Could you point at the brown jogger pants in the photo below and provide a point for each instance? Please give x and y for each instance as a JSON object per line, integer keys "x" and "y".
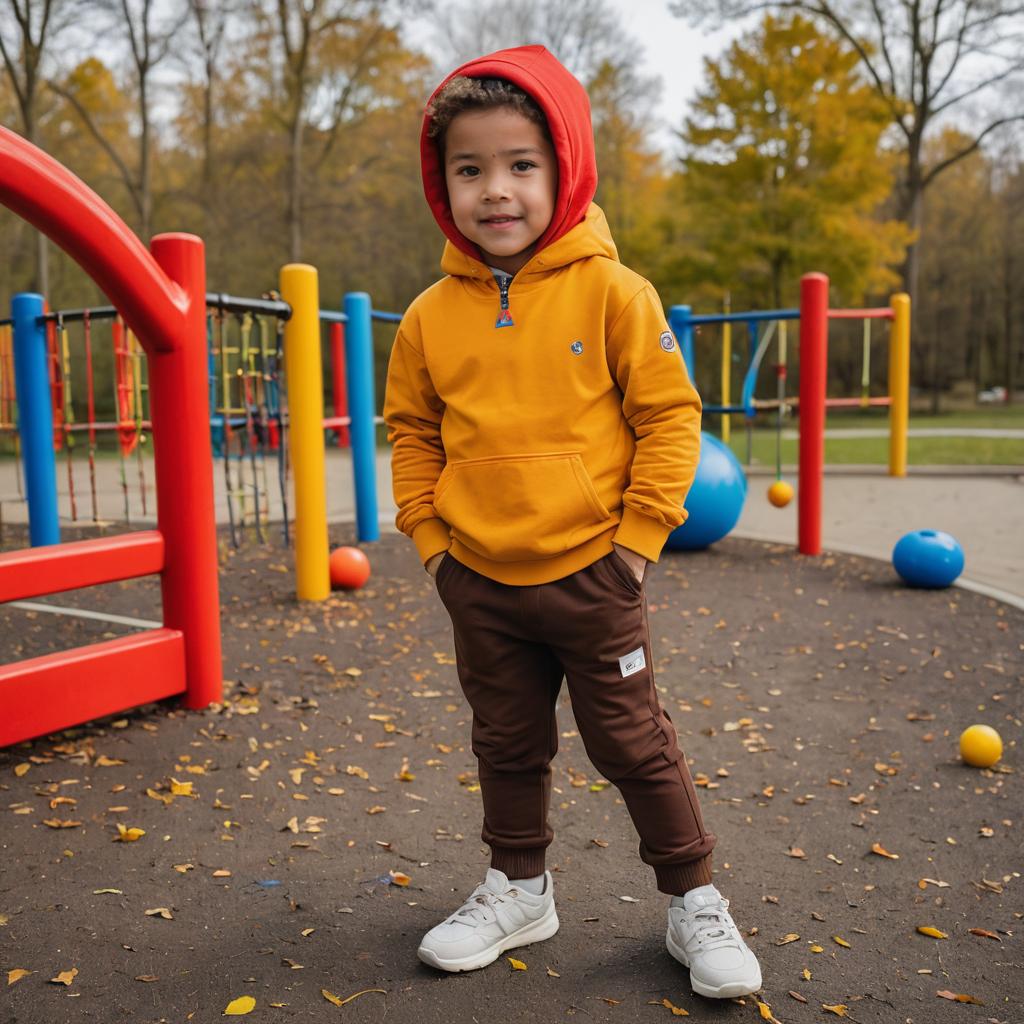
{"x": 513, "y": 646}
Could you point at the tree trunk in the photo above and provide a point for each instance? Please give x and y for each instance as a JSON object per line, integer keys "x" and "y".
{"x": 145, "y": 185}
{"x": 41, "y": 282}
{"x": 295, "y": 189}
{"x": 1008, "y": 320}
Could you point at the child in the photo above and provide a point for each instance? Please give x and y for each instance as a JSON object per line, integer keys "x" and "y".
{"x": 545, "y": 435}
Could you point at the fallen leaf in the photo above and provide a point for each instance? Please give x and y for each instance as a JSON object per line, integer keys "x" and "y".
{"x": 107, "y": 762}
{"x": 796, "y": 995}
{"x": 146, "y": 977}
{"x": 160, "y": 912}
{"x": 984, "y": 934}
{"x": 629, "y": 899}
{"x": 841, "y": 941}
{"x": 677, "y": 1011}
{"x": 517, "y": 965}
{"x": 883, "y": 852}
{"x": 553, "y": 974}
{"x": 65, "y": 977}
{"x": 128, "y": 835}
{"x": 57, "y": 823}
{"x": 959, "y": 998}
{"x": 791, "y": 937}
{"x": 795, "y": 851}
{"x": 839, "y": 1009}
{"x": 17, "y": 974}
{"x": 925, "y": 882}
{"x": 240, "y": 1006}
{"x": 20, "y": 769}
{"x": 100, "y": 892}
{"x": 933, "y": 932}
{"x": 331, "y": 998}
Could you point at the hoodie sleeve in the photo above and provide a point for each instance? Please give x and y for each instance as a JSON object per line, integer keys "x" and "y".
{"x": 412, "y": 412}
{"x": 664, "y": 410}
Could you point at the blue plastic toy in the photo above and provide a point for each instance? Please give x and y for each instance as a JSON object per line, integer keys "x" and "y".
{"x": 715, "y": 500}
{"x": 928, "y": 558}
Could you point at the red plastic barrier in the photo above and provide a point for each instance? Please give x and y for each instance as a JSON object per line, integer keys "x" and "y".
{"x": 813, "y": 378}
{"x": 162, "y": 298}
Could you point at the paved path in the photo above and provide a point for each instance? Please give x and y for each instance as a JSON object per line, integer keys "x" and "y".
{"x": 864, "y": 512}
{"x": 839, "y": 433}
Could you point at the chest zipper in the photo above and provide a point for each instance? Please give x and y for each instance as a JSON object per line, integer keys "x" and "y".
{"x": 505, "y": 314}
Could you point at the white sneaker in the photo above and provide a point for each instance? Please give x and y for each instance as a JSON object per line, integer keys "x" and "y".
{"x": 702, "y": 936}
{"x": 497, "y": 916}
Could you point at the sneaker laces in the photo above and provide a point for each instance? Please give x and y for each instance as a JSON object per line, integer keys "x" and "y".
{"x": 714, "y": 926}
{"x": 479, "y": 908}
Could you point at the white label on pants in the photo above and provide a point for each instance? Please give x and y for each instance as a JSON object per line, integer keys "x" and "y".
{"x": 632, "y": 662}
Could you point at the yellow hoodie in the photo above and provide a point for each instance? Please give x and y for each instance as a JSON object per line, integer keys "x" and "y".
{"x": 527, "y": 451}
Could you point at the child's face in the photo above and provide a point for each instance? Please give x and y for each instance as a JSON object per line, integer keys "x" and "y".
{"x": 502, "y": 178}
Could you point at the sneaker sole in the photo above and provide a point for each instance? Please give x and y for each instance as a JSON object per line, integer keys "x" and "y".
{"x": 535, "y": 931}
{"x": 729, "y": 990}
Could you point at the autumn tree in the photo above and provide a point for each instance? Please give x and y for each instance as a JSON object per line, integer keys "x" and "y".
{"x": 784, "y": 167}
{"x": 28, "y": 30}
{"x": 147, "y": 31}
{"x": 324, "y": 56}
{"x": 927, "y": 61}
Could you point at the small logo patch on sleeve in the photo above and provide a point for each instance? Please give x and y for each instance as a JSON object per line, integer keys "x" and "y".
{"x": 632, "y": 662}
{"x": 668, "y": 343}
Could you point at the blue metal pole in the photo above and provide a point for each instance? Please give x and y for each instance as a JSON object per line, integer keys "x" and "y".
{"x": 679, "y": 321}
{"x": 361, "y": 406}
{"x": 35, "y": 417}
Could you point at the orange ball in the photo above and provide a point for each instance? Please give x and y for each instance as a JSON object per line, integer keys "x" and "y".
{"x": 780, "y": 494}
{"x": 349, "y": 567}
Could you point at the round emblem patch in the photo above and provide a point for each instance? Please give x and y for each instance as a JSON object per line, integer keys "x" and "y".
{"x": 668, "y": 343}
{"x": 577, "y": 347}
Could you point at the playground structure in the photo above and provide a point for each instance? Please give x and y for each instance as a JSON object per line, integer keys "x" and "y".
{"x": 161, "y": 297}
{"x": 813, "y": 315}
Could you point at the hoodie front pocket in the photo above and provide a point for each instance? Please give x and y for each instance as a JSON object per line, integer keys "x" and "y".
{"x": 519, "y": 507}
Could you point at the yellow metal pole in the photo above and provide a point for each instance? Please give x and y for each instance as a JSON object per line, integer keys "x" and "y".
{"x": 726, "y": 371}
{"x": 899, "y": 383}
{"x": 305, "y": 430}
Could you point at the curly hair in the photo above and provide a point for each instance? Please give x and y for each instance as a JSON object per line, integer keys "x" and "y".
{"x": 462, "y": 94}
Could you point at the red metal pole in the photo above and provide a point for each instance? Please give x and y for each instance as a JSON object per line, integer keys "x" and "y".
{"x": 338, "y": 381}
{"x": 813, "y": 379}
{"x": 180, "y": 410}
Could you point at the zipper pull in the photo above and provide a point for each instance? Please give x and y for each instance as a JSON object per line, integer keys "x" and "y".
{"x": 505, "y": 315}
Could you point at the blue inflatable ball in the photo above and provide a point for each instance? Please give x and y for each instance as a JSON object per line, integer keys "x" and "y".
{"x": 928, "y": 558}
{"x": 715, "y": 500}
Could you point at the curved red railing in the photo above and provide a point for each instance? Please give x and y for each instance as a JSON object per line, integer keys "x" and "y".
{"x": 162, "y": 298}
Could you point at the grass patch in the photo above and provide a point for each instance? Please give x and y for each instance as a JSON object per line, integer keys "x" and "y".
{"x": 921, "y": 451}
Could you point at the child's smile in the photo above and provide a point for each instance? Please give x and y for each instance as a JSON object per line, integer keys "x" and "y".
{"x": 502, "y": 178}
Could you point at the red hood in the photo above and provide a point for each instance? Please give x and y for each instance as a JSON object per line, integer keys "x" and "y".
{"x": 567, "y": 109}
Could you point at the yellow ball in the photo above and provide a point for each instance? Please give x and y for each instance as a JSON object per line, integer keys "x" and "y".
{"x": 981, "y": 746}
{"x": 780, "y": 494}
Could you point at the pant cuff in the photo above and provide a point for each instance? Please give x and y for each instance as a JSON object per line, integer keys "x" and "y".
{"x": 677, "y": 879}
{"x": 518, "y": 863}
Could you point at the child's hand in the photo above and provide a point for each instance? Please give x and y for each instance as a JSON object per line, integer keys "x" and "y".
{"x": 635, "y": 561}
{"x": 434, "y": 562}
